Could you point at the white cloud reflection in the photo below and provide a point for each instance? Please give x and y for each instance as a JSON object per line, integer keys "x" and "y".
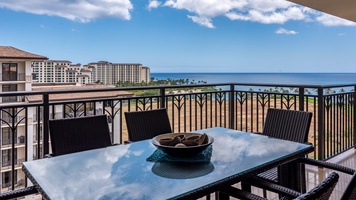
{"x": 245, "y": 145}
{"x": 79, "y": 165}
{"x": 118, "y": 172}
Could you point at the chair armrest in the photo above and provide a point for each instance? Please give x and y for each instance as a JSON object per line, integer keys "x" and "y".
{"x": 240, "y": 194}
{"x": 328, "y": 165}
{"x": 273, "y": 187}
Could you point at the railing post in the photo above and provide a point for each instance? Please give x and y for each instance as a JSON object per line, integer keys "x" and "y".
{"x": 232, "y": 107}
{"x": 13, "y": 130}
{"x": 354, "y": 116}
{"x": 162, "y": 92}
{"x": 301, "y": 98}
{"x": 321, "y": 127}
{"x": 45, "y": 124}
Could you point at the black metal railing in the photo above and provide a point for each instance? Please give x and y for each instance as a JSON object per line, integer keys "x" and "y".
{"x": 240, "y": 106}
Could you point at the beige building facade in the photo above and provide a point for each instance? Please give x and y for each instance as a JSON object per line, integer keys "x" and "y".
{"x": 16, "y": 75}
{"x": 63, "y": 71}
{"x": 60, "y": 71}
{"x": 112, "y": 73}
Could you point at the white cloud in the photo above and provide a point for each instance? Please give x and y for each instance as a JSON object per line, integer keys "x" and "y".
{"x": 76, "y": 10}
{"x": 202, "y": 11}
{"x": 280, "y": 17}
{"x": 203, "y": 21}
{"x": 286, "y": 32}
{"x": 329, "y": 20}
{"x": 268, "y": 5}
{"x": 207, "y": 8}
{"x": 268, "y": 18}
{"x": 260, "y": 11}
{"x": 153, "y": 4}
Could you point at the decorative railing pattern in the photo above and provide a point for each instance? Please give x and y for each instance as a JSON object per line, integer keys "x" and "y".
{"x": 238, "y": 106}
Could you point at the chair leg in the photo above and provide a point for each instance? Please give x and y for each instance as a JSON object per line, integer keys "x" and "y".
{"x": 303, "y": 186}
{"x": 246, "y": 187}
{"x": 221, "y": 196}
{"x": 264, "y": 193}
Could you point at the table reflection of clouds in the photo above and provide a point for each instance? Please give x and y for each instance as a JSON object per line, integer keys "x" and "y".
{"x": 76, "y": 166}
{"x": 122, "y": 172}
{"x": 261, "y": 147}
{"x": 242, "y": 145}
{"x": 236, "y": 148}
{"x": 126, "y": 183}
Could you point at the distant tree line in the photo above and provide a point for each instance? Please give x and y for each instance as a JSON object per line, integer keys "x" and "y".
{"x": 160, "y": 82}
{"x": 165, "y": 82}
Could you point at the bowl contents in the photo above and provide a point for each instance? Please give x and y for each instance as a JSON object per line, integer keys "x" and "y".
{"x": 182, "y": 144}
{"x": 182, "y": 141}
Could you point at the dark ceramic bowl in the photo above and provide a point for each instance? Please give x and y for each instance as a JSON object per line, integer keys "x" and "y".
{"x": 181, "y": 151}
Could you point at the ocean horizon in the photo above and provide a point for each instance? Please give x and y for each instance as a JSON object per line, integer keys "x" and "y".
{"x": 264, "y": 78}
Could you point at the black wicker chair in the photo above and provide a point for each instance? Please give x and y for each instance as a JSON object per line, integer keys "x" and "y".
{"x": 142, "y": 125}
{"x": 322, "y": 191}
{"x": 285, "y": 124}
{"x": 290, "y": 125}
{"x": 69, "y": 135}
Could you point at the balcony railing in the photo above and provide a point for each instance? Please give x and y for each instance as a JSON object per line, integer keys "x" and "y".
{"x": 238, "y": 106}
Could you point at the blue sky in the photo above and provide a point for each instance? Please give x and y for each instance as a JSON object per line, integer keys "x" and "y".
{"x": 182, "y": 35}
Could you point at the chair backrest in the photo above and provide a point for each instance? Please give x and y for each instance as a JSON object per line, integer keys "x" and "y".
{"x": 350, "y": 191}
{"x": 69, "y": 135}
{"x": 323, "y": 190}
{"x": 147, "y": 124}
{"x": 285, "y": 124}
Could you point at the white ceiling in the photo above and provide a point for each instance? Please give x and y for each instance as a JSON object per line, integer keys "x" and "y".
{"x": 342, "y": 8}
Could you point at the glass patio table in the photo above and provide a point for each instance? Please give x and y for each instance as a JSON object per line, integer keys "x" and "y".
{"x": 122, "y": 171}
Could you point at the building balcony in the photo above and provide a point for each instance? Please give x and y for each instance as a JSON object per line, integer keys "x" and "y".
{"x": 194, "y": 107}
{"x": 7, "y": 165}
{"x": 12, "y": 77}
{"x": 7, "y": 143}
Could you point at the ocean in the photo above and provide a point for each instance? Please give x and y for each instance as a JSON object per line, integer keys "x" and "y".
{"x": 264, "y": 78}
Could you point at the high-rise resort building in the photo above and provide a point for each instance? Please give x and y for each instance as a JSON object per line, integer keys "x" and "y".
{"x": 60, "y": 71}
{"x": 112, "y": 73}
{"x": 63, "y": 71}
